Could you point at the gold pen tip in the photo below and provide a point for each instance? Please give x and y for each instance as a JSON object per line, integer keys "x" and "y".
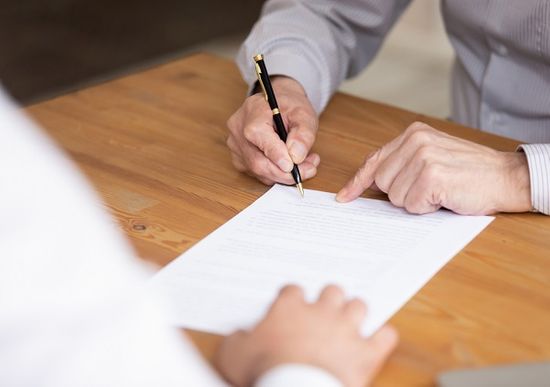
{"x": 300, "y": 188}
{"x": 258, "y": 57}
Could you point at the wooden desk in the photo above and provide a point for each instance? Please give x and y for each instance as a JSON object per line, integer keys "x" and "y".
{"x": 153, "y": 144}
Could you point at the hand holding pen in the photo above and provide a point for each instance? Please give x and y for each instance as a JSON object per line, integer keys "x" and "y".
{"x": 255, "y": 145}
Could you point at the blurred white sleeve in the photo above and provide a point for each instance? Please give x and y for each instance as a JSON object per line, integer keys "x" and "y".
{"x": 297, "y": 375}
{"x": 73, "y": 306}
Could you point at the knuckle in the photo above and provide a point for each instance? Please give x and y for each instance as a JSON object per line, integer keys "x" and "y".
{"x": 416, "y": 126}
{"x": 361, "y": 175}
{"x": 249, "y": 132}
{"x": 290, "y": 292}
{"x": 420, "y": 137}
{"x": 363, "y": 171}
{"x": 299, "y": 111}
{"x": 425, "y": 153}
{"x": 372, "y": 157}
{"x": 303, "y": 111}
{"x": 432, "y": 172}
{"x": 256, "y": 166}
{"x": 272, "y": 151}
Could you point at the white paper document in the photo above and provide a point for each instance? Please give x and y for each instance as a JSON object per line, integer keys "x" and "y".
{"x": 373, "y": 250}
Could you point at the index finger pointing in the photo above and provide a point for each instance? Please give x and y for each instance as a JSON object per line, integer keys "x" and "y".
{"x": 364, "y": 177}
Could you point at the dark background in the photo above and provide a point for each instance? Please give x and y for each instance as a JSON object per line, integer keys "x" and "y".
{"x": 48, "y": 47}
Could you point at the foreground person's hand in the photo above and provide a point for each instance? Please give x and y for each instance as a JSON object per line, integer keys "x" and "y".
{"x": 324, "y": 334}
{"x": 255, "y": 146}
{"x": 424, "y": 169}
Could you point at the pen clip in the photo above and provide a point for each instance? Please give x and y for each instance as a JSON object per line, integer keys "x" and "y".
{"x": 259, "y": 74}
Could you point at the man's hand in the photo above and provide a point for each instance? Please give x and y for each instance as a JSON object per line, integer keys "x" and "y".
{"x": 254, "y": 143}
{"x": 424, "y": 169}
{"x": 324, "y": 334}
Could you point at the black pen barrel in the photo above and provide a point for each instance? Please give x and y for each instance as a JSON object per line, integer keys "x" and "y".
{"x": 267, "y": 85}
{"x": 280, "y": 126}
{"x": 296, "y": 174}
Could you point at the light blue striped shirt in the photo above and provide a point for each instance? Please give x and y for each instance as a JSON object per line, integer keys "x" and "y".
{"x": 501, "y": 75}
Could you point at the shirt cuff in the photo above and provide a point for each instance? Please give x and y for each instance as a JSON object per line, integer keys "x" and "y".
{"x": 538, "y": 158}
{"x": 297, "y": 375}
{"x": 291, "y": 65}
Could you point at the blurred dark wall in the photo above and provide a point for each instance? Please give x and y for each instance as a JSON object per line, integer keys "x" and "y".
{"x": 50, "y": 46}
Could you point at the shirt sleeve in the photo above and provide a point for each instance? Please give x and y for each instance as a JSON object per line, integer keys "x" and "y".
{"x": 297, "y": 375}
{"x": 74, "y": 304}
{"x": 538, "y": 158}
{"x": 319, "y": 43}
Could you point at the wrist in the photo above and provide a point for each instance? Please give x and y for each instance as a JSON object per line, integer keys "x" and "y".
{"x": 287, "y": 84}
{"x": 516, "y": 194}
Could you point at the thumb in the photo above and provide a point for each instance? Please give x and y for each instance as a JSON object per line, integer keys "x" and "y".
{"x": 378, "y": 348}
{"x": 301, "y": 136}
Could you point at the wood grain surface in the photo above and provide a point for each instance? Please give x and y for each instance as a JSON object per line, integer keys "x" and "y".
{"x": 153, "y": 144}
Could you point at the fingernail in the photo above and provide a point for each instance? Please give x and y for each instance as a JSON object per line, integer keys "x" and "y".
{"x": 340, "y": 196}
{"x": 297, "y": 152}
{"x": 285, "y": 164}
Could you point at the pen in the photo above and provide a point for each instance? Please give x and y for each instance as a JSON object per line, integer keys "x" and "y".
{"x": 269, "y": 94}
